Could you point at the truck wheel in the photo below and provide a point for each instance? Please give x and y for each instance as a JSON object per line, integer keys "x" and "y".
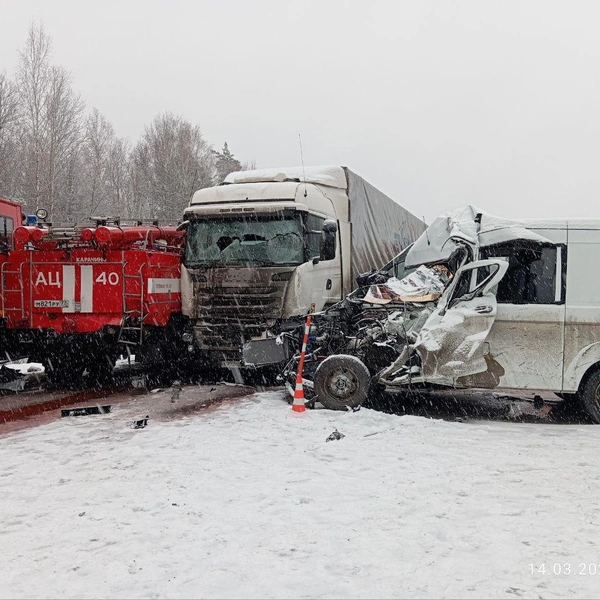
{"x": 342, "y": 381}
{"x": 589, "y": 396}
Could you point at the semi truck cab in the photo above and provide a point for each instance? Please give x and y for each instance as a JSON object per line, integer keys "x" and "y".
{"x": 258, "y": 256}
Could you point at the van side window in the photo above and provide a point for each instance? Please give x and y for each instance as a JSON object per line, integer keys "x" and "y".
{"x": 531, "y": 277}
{"x": 314, "y": 226}
{"x": 6, "y": 231}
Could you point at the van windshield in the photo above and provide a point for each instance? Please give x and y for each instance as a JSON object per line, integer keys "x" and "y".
{"x": 245, "y": 240}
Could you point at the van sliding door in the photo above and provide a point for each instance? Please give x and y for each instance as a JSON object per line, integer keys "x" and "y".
{"x": 527, "y": 337}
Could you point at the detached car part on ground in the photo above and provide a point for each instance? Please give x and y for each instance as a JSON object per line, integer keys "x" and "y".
{"x": 19, "y": 376}
{"x": 476, "y": 302}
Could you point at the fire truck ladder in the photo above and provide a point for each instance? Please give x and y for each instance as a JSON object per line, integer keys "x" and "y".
{"x": 19, "y": 290}
{"x": 132, "y": 324}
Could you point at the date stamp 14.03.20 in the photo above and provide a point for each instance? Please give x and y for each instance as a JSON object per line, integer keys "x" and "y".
{"x": 579, "y": 569}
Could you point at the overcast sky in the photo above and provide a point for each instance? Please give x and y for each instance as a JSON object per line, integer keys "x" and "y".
{"x": 438, "y": 104}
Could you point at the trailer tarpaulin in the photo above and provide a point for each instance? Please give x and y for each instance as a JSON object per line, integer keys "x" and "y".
{"x": 381, "y": 228}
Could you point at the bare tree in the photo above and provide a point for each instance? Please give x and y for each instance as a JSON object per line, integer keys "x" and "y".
{"x": 62, "y": 140}
{"x": 249, "y": 165}
{"x": 52, "y": 155}
{"x": 120, "y": 199}
{"x": 33, "y": 81}
{"x": 51, "y": 125}
{"x": 97, "y": 145}
{"x": 171, "y": 161}
{"x": 9, "y": 115}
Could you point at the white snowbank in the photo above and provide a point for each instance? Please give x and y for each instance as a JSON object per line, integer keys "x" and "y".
{"x": 248, "y": 500}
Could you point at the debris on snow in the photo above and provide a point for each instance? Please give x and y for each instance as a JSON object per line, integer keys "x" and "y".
{"x": 17, "y": 376}
{"x": 86, "y": 410}
{"x": 176, "y": 390}
{"x": 141, "y": 423}
{"x": 336, "y": 435}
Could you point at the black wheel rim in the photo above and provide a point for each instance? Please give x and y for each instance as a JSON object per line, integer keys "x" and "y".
{"x": 342, "y": 383}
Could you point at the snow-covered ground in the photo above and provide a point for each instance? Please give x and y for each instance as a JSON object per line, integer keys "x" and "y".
{"x": 247, "y": 499}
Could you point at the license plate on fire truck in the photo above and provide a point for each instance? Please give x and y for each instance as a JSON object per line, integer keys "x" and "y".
{"x": 51, "y": 304}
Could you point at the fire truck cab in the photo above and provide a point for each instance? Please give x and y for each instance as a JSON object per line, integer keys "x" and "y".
{"x": 11, "y": 217}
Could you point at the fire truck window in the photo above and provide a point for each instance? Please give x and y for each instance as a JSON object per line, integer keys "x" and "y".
{"x": 531, "y": 274}
{"x": 6, "y": 231}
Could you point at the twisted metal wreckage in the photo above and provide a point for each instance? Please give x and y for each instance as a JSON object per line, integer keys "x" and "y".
{"x": 424, "y": 319}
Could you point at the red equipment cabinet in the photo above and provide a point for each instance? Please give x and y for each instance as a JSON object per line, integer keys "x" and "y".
{"x": 75, "y": 298}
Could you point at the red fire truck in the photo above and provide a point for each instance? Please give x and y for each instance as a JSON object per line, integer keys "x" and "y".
{"x": 73, "y": 298}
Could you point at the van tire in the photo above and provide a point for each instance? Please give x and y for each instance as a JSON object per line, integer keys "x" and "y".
{"x": 589, "y": 396}
{"x": 342, "y": 382}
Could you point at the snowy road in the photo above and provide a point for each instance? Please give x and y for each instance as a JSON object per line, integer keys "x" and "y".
{"x": 246, "y": 499}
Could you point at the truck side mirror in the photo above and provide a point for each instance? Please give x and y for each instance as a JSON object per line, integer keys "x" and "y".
{"x": 328, "y": 240}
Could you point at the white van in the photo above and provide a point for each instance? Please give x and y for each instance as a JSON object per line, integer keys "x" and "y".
{"x": 523, "y": 311}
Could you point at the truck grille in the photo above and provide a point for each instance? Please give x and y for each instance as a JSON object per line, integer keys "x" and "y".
{"x": 229, "y": 316}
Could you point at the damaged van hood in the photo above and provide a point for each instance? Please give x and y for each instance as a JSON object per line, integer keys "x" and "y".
{"x": 461, "y": 227}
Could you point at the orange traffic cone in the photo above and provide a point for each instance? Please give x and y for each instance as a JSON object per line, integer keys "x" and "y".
{"x": 298, "y": 403}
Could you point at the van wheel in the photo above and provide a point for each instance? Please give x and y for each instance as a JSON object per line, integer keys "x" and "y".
{"x": 590, "y": 396}
{"x": 342, "y": 382}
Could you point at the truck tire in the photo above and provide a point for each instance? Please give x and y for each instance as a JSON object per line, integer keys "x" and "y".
{"x": 341, "y": 382}
{"x": 589, "y": 396}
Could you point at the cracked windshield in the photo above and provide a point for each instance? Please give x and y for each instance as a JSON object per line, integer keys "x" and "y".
{"x": 249, "y": 240}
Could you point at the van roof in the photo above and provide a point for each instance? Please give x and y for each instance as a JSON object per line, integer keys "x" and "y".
{"x": 580, "y": 223}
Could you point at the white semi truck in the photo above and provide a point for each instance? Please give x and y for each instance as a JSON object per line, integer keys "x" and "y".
{"x": 266, "y": 247}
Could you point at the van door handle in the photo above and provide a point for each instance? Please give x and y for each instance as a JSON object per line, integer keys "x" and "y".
{"x": 328, "y": 284}
{"x": 482, "y": 310}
